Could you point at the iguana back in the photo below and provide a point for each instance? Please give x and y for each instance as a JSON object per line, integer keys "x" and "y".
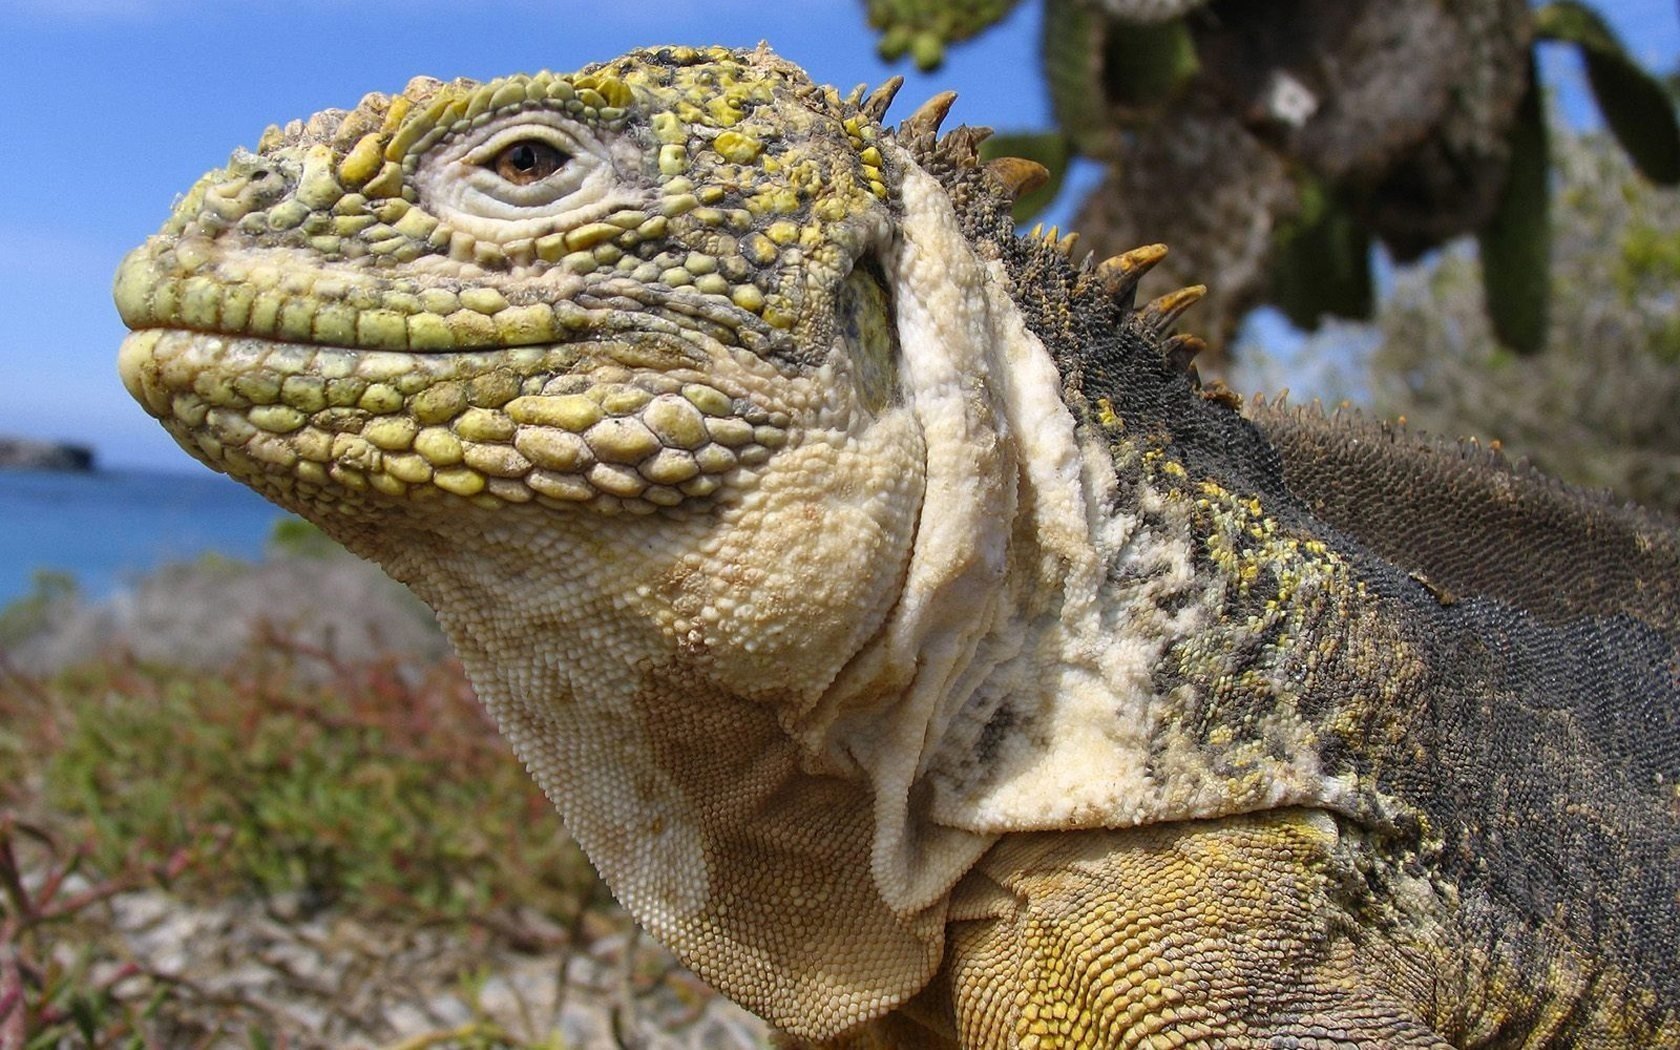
{"x": 1471, "y": 522}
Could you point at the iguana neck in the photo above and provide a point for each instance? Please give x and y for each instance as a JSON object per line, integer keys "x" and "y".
{"x": 1069, "y": 562}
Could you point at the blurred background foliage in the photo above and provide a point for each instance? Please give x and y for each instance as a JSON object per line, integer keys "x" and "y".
{"x": 1271, "y": 143}
{"x": 1290, "y": 151}
{"x": 1600, "y": 405}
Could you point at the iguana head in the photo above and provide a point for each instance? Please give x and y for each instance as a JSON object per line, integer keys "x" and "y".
{"x": 558, "y": 290}
{"x": 539, "y": 303}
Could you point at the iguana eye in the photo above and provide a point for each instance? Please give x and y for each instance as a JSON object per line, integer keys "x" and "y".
{"x": 527, "y": 161}
{"x": 526, "y": 174}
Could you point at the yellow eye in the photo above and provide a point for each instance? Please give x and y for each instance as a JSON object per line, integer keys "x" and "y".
{"x": 527, "y": 161}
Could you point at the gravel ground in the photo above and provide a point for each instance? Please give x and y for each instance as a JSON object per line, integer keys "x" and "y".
{"x": 332, "y": 981}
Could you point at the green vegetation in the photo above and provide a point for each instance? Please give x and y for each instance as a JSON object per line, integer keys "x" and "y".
{"x": 371, "y": 791}
{"x": 1271, "y": 145}
{"x": 26, "y": 615}
{"x": 922, "y": 30}
{"x": 297, "y": 786}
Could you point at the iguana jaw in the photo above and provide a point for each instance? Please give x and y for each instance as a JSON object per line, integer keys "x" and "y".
{"x": 542, "y": 386}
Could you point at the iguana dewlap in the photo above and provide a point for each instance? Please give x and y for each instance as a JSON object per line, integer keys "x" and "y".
{"x": 912, "y": 645}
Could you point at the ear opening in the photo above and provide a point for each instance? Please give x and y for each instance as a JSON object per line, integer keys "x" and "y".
{"x": 866, "y": 324}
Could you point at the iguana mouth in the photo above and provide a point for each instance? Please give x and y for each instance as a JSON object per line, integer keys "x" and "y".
{"x": 557, "y": 425}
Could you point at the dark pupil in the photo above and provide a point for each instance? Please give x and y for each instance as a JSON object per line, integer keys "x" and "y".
{"x": 526, "y": 162}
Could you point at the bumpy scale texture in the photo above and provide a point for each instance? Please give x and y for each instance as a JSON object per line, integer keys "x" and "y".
{"x": 913, "y": 645}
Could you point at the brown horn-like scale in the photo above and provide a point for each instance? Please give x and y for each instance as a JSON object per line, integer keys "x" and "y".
{"x": 961, "y": 145}
{"x": 1019, "y": 175}
{"x": 1118, "y": 275}
{"x": 1159, "y": 314}
{"x": 876, "y": 105}
{"x": 1181, "y": 350}
{"x": 928, "y": 116}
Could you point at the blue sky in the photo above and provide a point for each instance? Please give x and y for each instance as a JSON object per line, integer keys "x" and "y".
{"x": 118, "y": 105}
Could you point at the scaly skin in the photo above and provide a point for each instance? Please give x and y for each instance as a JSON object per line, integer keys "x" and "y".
{"x": 911, "y": 644}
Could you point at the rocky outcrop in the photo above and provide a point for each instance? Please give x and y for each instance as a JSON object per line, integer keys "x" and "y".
{"x": 209, "y": 613}
{"x": 24, "y": 454}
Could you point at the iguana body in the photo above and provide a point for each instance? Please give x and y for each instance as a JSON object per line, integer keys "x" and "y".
{"x": 912, "y": 646}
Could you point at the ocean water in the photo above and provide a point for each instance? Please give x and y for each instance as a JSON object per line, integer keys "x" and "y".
{"x": 106, "y": 527}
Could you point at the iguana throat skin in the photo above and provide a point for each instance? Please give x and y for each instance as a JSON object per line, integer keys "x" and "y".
{"x": 913, "y": 647}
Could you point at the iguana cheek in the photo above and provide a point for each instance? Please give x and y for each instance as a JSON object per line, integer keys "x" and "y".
{"x": 803, "y": 570}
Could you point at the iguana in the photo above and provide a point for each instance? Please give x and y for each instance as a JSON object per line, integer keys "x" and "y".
{"x": 910, "y": 641}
